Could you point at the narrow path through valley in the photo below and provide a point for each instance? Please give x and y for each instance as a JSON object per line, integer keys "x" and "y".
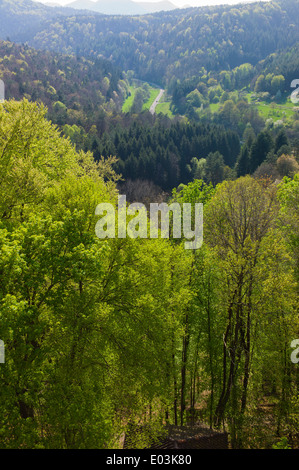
{"x": 153, "y": 106}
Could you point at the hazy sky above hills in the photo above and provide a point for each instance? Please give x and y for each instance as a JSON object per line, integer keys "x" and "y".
{"x": 179, "y": 3}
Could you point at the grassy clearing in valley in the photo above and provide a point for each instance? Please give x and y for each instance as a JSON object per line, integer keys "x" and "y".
{"x": 164, "y": 106}
{"x": 276, "y": 111}
{"x": 129, "y": 101}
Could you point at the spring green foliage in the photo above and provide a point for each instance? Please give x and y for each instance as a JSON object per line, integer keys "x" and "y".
{"x": 102, "y": 334}
{"x": 158, "y": 47}
{"x": 76, "y": 311}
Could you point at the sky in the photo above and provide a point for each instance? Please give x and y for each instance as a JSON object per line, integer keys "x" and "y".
{"x": 178, "y": 3}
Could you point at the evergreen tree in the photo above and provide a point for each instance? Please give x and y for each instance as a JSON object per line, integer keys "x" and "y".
{"x": 259, "y": 150}
{"x": 281, "y": 140}
{"x": 243, "y": 162}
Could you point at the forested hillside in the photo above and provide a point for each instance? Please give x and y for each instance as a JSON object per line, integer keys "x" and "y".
{"x": 84, "y": 97}
{"x": 284, "y": 63}
{"x": 164, "y": 45}
{"x": 161, "y": 45}
{"x": 166, "y": 153}
{"x": 76, "y": 91}
{"x": 143, "y": 328}
{"x": 20, "y": 19}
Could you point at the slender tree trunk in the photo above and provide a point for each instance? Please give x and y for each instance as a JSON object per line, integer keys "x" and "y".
{"x": 193, "y": 382}
{"x": 184, "y": 368}
{"x": 211, "y": 363}
{"x": 234, "y": 359}
{"x": 220, "y": 406}
{"x": 175, "y": 391}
